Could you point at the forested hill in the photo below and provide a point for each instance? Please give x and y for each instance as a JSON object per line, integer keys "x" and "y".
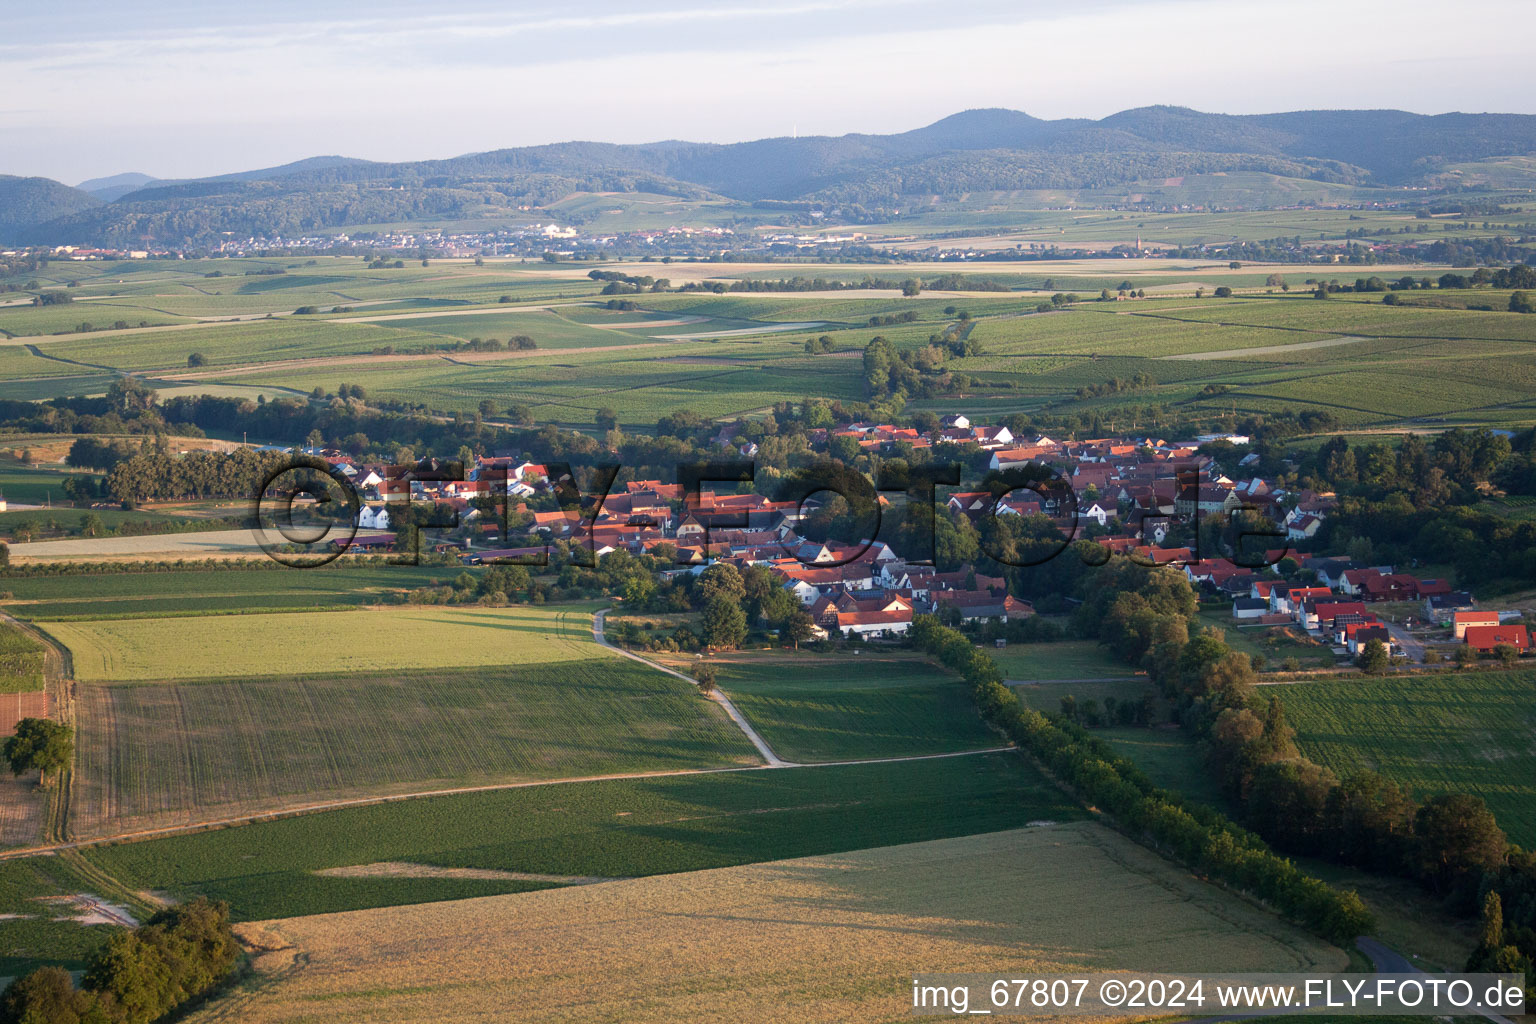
{"x": 973, "y": 150}
{"x": 27, "y": 202}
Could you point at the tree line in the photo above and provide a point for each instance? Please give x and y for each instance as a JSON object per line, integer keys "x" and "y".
{"x": 141, "y": 974}
{"x": 1197, "y": 837}
{"x": 1450, "y": 843}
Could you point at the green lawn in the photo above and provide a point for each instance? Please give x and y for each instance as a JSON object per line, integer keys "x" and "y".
{"x": 611, "y": 828}
{"x": 1458, "y": 732}
{"x": 811, "y": 708}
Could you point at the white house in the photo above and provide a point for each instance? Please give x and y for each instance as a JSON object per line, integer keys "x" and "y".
{"x": 373, "y": 518}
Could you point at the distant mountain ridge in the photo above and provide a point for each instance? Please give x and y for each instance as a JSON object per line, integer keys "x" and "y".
{"x": 972, "y": 150}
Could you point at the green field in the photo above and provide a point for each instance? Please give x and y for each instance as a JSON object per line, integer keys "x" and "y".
{"x": 156, "y": 755}
{"x": 34, "y": 933}
{"x": 286, "y": 643}
{"x": 811, "y": 708}
{"x": 203, "y": 591}
{"x": 616, "y": 828}
{"x": 1460, "y": 732}
{"x": 21, "y": 661}
{"x": 1064, "y": 659}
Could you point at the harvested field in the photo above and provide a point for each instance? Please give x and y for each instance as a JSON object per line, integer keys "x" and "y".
{"x": 830, "y": 938}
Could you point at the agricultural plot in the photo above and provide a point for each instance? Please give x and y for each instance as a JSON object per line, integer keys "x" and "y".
{"x": 1458, "y": 732}
{"x": 21, "y": 661}
{"x": 256, "y": 341}
{"x": 160, "y": 755}
{"x": 35, "y": 932}
{"x": 1064, "y": 659}
{"x": 829, "y": 938}
{"x": 206, "y": 592}
{"x": 294, "y": 643}
{"x": 813, "y": 708}
{"x": 612, "y": 828}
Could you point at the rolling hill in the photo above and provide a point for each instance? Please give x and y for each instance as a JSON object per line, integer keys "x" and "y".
{"x": 968, "y": 151}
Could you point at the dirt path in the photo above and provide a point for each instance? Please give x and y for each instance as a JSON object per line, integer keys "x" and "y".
{"x": 774, "y": 761}
{"x": 1270, "y": 350}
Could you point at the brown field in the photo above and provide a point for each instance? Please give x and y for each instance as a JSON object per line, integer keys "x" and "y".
{"x": 818, "y": 939}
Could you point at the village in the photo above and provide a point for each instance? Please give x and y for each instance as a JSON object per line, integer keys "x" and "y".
{"x": 1140, "y": 498}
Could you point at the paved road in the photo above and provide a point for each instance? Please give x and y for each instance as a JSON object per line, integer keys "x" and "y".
{"x": 1411, "y": 647}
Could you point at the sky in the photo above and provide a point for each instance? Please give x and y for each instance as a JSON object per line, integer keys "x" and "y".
{"x": 181, "y": 89}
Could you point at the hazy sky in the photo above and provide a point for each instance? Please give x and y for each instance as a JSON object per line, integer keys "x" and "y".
{"x": 179, "y": 89}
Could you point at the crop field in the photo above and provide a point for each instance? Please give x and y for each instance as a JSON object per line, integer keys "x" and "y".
{"x": 825, "y": 938}
{"x": 34, "y": 933}
{"x": 21, "y": 661}
{"x": 157, "y": 755}
{"x": 1459, "y": 732}
{"x": 815, "y": 708}
{"x": 290, "y": 643}
{"x": 611, "y": 828}
{"x": 257, "y": 341}
{"x": 205, "y": 592}
{"x": 1369, "y": 364}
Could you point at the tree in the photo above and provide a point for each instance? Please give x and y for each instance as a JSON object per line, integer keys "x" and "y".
{"x": 706, "y": 676}
{"x": 197, "y": 359}
{"x": 1223, "y": 292}
{"x": 721, "y": 580}
{"x": 5, "y": 555}
{"x": 1520, "y": 302}
{"x": 1508, "y": 654}
{"x": 39, "y": 743}
{"x": 911, "y": 286}
{"x": 606, "y": 419}
{"x": 798, "y": 627}
{"x": 91, "y": 525}
{"x": 48, "y": 996}
{"x": 1374, "y": 658}
{"x": 723, "y": 624}
{"x": 1458, "y": 839}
